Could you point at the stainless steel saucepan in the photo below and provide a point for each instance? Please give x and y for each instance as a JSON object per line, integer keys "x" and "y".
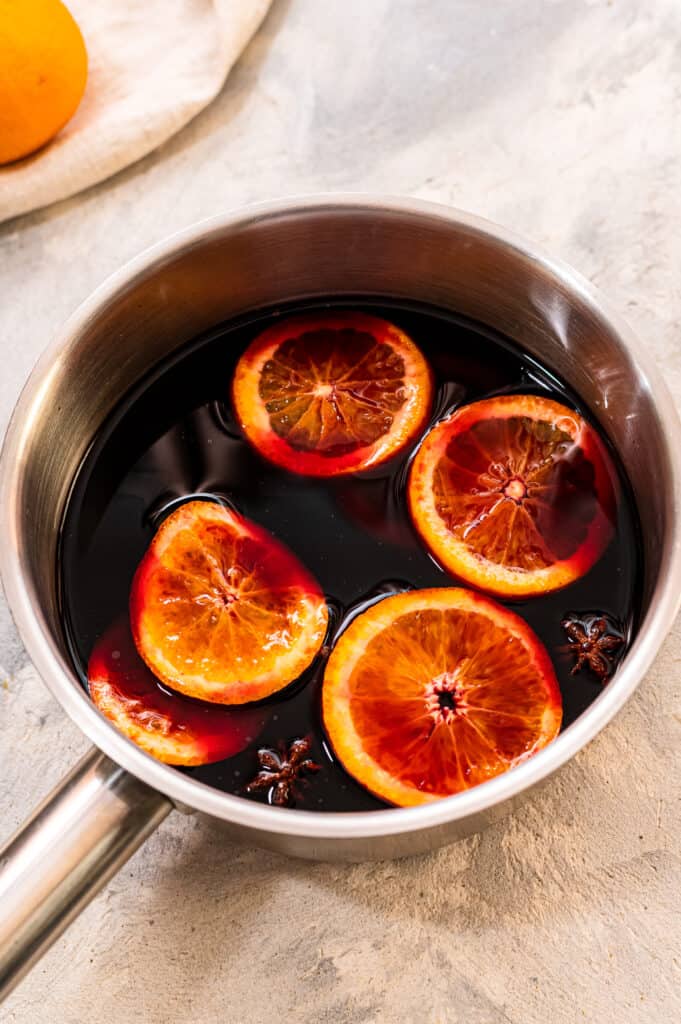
{"x": 117, "y": 795}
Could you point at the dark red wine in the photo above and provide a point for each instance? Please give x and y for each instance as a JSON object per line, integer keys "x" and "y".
{"x": 174, "y": 439}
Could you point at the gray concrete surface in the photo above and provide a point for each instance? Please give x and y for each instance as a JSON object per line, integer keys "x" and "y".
{"x": 561, "y": 119}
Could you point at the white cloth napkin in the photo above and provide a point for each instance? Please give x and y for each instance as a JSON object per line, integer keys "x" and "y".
{"x": 153, "y": 65}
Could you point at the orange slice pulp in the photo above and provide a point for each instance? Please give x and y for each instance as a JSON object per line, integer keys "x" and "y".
{"x": 222, "y": 611}
{"x": 431, "y": 692}
{"x": 171, "y": 728}
{"x": 515, "y": 495}
{"x": 326, "y": 394}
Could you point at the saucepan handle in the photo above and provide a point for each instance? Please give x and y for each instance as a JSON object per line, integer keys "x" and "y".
{"x": 84, "y": 831}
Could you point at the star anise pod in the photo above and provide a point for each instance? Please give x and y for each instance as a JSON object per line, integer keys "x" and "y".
{"x": 281, "y": 771}
{"x": 594, "y": 640}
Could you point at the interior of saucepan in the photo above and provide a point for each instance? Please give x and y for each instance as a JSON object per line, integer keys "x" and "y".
{"x": 160, "y": 303}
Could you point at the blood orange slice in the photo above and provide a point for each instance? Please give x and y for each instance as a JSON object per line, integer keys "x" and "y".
{"x": 169, "y": 727}
{"x": 431, "y": 692}
{"x": 515, "y": 495}
{"x": 326, "y": 394}
{"x": 222, "y": 611}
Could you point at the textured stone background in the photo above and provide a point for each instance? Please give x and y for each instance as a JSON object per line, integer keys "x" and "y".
{"x": 561, "y": 119}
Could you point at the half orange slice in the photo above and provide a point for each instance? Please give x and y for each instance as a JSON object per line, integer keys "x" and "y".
{"x": 222, "y": 611}
{"x": 433, "y": 691}
{"x": 515, "y": 495}
{"x": 332, "y": 393}
{"x": 171, "y": 728}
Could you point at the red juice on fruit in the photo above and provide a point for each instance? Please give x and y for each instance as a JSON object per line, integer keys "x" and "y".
{"x": 175, "y": 439}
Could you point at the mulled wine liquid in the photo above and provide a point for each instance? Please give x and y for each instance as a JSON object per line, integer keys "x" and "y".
{"x": 174, "y": 439}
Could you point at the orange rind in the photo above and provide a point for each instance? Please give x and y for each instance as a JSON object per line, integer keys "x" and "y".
{"x": 332, "y": 393}
{"x": 431, "y": 692}
{"x": 220, "y": 610}
{"x": 515, "y": 495}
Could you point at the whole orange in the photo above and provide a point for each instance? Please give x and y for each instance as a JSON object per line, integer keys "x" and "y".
{"x": 43, "y": 71}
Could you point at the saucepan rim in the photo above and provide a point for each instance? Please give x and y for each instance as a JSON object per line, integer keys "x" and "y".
{"x": 187, "y": 792}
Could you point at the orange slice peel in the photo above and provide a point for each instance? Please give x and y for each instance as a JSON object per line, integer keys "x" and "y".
{"x": 431, "y": 692}
{"x": 328, "y": 394}
{"x": 221, "y": 610}
{"x": 171, "y": 728}
{"x": 515, "y": 495}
